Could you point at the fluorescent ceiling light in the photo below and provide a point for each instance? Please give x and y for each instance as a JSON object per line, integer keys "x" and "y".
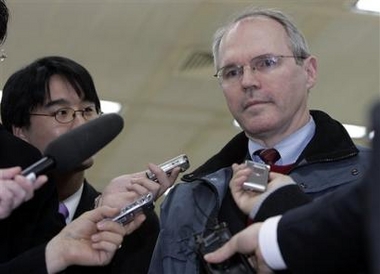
{"x": 106, "y": 106}
{"x": 110, "y": 106}
{"x": 355, "y": 132}
{"x": 368, "y": 5}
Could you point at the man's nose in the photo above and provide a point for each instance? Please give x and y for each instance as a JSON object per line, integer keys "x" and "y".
{"x": 250, "y": 78}
{"x": 78, "y": 119}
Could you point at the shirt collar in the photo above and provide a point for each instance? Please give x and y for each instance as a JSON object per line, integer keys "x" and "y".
{"x": 72, "y": 203}
{"x": 291, "y": 147}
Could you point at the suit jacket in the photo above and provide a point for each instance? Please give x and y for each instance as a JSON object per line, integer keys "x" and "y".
{"x": 34, "y": 222}
{"x": 373, "y": 238}
{"x": 31, "y": 262}
{"x": 327, "y": 235}
{"x": 374, "y": 224}
{"x": 137, "y": 248}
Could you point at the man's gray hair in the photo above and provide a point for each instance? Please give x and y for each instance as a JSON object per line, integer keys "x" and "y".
{"x": 297, "y": 41}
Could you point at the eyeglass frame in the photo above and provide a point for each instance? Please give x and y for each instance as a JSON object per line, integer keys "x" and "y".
{"x": 82, "y": 111}
{"x": 240, "y": 68}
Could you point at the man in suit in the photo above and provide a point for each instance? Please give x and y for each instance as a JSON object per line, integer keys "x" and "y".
{"x": 266, "y": 72}
{"x": 48, "y": 98}
{"x": 338, "y": 233}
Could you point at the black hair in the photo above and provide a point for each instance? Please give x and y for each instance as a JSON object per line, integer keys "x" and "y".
{"x": 28, "y": 88}
{"x": 4, "y": 16}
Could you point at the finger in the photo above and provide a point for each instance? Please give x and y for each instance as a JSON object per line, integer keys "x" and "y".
{"x": 42, "y": 179}
{"x": 174, "y": 175}
{"x": 141, "y": 174}
{"x": 135, "y": 224}
{"x": 107, "y": 236}
{"x": 111, "y": 226}
{"x": 221, "y": 254}
{"x": 165, "y": 180}
{"x": 6, "y": 201}
{"x": 239, "y": 178}
{"x": 9, "y": 173}
{"x": 19, "y": 194}
{"x": 108, "y": 247}
{"x": 237, "y": 167}
{"x": 100, "y": 213}
{"x": 274, "y": 175}
{"x": 143, "y": 185}
{"x": 25, "y": 188}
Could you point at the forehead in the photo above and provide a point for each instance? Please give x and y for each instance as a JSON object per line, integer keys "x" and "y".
{"x": 251, "y": 37}
{"x": 60, "y": 87}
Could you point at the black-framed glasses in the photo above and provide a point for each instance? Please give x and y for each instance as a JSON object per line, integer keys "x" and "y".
{"x": 67, "y": 115}
{"x": 230, "y": 74}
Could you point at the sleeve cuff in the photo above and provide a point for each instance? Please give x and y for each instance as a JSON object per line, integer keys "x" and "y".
{"x": 269, "y": 246}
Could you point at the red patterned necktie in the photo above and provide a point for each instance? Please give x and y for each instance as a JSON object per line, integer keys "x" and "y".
{"x": 269, "y": 156}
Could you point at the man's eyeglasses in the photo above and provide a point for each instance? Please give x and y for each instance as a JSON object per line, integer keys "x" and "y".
{"x": 67, "y": 115}
{"x": 264, "y": 63}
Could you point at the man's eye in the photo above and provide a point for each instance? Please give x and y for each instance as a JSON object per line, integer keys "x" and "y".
{"x": 89, "y": 110}
{"x": 62, "y": 112}
{"x": 266, "y": 63}
{"x": 231, "y": 72}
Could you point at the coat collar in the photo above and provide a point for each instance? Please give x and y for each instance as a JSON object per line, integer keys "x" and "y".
{"x": 331, "y": 142}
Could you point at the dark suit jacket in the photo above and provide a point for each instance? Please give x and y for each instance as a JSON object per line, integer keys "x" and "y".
{"x": 373, "y": 238}
{"x": 34, "y": 222}
{"x": 136, "y": 251}
{"x": 374, "y": 223}
{"x": 327, "y": 235}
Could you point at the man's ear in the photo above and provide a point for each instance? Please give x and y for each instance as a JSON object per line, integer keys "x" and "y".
{"x": 19, "y": 132}
{"x": 311, "y": 71}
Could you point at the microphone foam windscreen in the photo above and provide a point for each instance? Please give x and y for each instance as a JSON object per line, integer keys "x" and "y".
{"x": 72, "y": 148}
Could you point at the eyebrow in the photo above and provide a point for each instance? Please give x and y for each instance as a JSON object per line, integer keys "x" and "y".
{"x": 56, "y": 102}
{"x": 239, "y": 65}
{"x": 62, "y": 102}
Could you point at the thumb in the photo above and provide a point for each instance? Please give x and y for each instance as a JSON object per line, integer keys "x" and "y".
{"x": 223, "y": 253}
{"x": 100, "y": 213}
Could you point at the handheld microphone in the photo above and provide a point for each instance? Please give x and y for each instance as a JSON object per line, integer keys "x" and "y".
{"x": 69, "y": 150}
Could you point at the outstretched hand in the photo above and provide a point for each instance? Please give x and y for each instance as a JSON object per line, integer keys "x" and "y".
{"x": 92, "y": 239}
{"x": 245, "y": 242}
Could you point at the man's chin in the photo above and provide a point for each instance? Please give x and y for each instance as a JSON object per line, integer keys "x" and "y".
{"x": 85, "y": 165}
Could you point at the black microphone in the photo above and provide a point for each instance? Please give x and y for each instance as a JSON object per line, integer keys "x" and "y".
{"x": 69, "y": 150}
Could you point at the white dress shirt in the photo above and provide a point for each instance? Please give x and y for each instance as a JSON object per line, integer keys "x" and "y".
{"x": 72, "y": 203}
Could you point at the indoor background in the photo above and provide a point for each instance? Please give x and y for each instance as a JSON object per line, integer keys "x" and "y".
{"x": 154, "y": 58}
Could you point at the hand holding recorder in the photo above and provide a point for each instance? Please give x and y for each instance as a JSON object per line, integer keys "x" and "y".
{"x": 247, "y": 198}
{"x": 125, "y": 191}
{"x": 88, "y": 240}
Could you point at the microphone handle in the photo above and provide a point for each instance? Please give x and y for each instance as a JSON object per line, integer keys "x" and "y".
{"x": 38, "y": 168}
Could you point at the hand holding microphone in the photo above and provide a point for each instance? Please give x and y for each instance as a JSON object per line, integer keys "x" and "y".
{"x": 63, "y": 154}
{"x": 16, "y": 189}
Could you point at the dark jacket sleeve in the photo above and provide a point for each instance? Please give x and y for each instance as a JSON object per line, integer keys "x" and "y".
{"x": 327, "y": 235}
{"x": 34, "y": 222}
{"x": 289, "y": 197}
{"x": 31, "y": 262}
